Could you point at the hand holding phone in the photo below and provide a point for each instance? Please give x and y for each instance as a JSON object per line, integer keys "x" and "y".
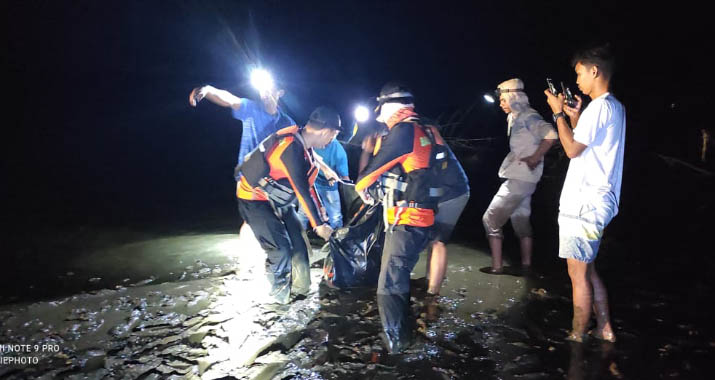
{"x": 552, "y": 88}
{"x": 568, "y": 96}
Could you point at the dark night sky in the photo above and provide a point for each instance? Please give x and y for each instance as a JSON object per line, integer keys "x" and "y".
{"x": 98, "y": 121}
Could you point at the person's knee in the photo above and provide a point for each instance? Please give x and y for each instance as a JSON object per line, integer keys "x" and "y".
{"x": 592, "y": 274}
{"x": 396, "y": 281}
{"x": 577, "y": 271}
{"x": 522, "y": 226}
{"x": 278, "y": 256}
{"x": 491, "y": 228}
{"x": 336, "y": 221}
{"x": 438, "y": 251}
{"x": 485, "y": 219}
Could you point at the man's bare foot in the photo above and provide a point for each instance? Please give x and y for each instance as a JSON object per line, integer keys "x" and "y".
{"x": 492, "y": 270}
{"x": 604, "y": 334}
{"x": 576, "y": 337}
{"x": 431, "y": 307}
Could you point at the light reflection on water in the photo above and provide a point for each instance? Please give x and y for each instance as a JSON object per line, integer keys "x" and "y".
{"x": 467, "y": 290}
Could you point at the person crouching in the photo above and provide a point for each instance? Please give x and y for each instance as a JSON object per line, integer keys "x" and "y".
{"x": 278, "y": 172}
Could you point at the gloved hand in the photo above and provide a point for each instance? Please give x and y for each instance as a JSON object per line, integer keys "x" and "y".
{"x": 324, "y": 231}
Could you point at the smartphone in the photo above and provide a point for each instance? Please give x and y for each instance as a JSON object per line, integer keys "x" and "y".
{"x": 570, "y": 100}
{"x": 552, "y": 88}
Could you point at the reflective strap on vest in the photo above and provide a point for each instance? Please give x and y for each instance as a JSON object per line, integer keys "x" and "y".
{"x": 413, "y": 205}
{"x": 411, "y": 216}
{"x": 276, "y": 191}
{"x": 436, "y": 192}
{"x": 393, "y": 183}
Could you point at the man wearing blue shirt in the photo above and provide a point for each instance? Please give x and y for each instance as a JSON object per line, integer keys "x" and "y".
{"x": 334, "y": 156}
{"x": 259, "y": 119}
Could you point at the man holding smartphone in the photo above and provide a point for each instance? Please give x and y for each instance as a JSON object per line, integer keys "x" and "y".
{"x": 592, "y": 188}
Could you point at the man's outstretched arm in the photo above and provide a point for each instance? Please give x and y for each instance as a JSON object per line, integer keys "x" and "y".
{"x": 220, "y": 97}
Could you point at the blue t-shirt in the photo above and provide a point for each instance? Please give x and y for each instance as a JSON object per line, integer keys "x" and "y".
{"x": 335, "y": 157}
{"x": 257, "y": 125}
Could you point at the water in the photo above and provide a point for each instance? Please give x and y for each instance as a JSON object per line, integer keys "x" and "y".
{"x": 159, "y": 300}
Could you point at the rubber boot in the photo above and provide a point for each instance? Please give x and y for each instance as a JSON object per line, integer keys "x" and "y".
{"x": 396, "y": 325}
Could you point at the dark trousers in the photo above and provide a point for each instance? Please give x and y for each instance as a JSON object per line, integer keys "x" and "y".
{"x": 399, "y": 256}
{"x": 287, "y": 263}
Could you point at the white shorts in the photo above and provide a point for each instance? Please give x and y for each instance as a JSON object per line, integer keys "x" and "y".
{"x": 512, "y": 201}
{"x": 581, "y": 227}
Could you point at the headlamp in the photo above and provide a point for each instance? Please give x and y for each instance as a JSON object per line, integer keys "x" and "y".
{"x": 361, "y": 114}
{"x": 392, "y": 97}
{"x": 261, "y": 80}
{"x": 499, "y": 91}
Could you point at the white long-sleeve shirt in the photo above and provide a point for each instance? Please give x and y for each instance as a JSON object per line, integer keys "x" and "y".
{"x": 526, "y": 131}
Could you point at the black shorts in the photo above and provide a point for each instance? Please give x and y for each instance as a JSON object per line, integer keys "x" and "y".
{"x": 447, "y": 216}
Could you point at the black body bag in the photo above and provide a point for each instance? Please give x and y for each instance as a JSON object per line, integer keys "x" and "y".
{"x": 356, "y": 251}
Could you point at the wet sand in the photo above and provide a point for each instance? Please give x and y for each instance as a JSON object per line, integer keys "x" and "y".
{"x": 207, "y": 318}
{"x": 187, "y": 302}
{"x": 209, "y": 323}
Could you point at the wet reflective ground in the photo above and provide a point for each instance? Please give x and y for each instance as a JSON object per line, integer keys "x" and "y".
{"x": 505, "y": 327}
{"x": 210, "y": 321}
{"x": 163, "y": 300}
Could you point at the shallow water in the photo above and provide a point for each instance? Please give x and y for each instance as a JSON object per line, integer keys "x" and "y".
{"x": 210, "y": 324}
{"x": 186, "y": 321}
{"x": 139, "y": 303}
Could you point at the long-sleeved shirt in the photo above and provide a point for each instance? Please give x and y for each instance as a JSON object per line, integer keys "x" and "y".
{"x": 526, "y": 131}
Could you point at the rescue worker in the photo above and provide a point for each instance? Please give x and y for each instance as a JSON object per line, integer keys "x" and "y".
{"x": 281, "y": 170}
{"x": 259, "y": 119}
{"x": 402, "y": 173}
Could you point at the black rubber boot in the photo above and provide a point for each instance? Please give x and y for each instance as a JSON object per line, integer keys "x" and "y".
{"x": 396, "y": 321}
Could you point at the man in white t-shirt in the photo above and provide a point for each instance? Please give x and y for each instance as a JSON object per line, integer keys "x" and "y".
{"x": 592, "y": 189}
